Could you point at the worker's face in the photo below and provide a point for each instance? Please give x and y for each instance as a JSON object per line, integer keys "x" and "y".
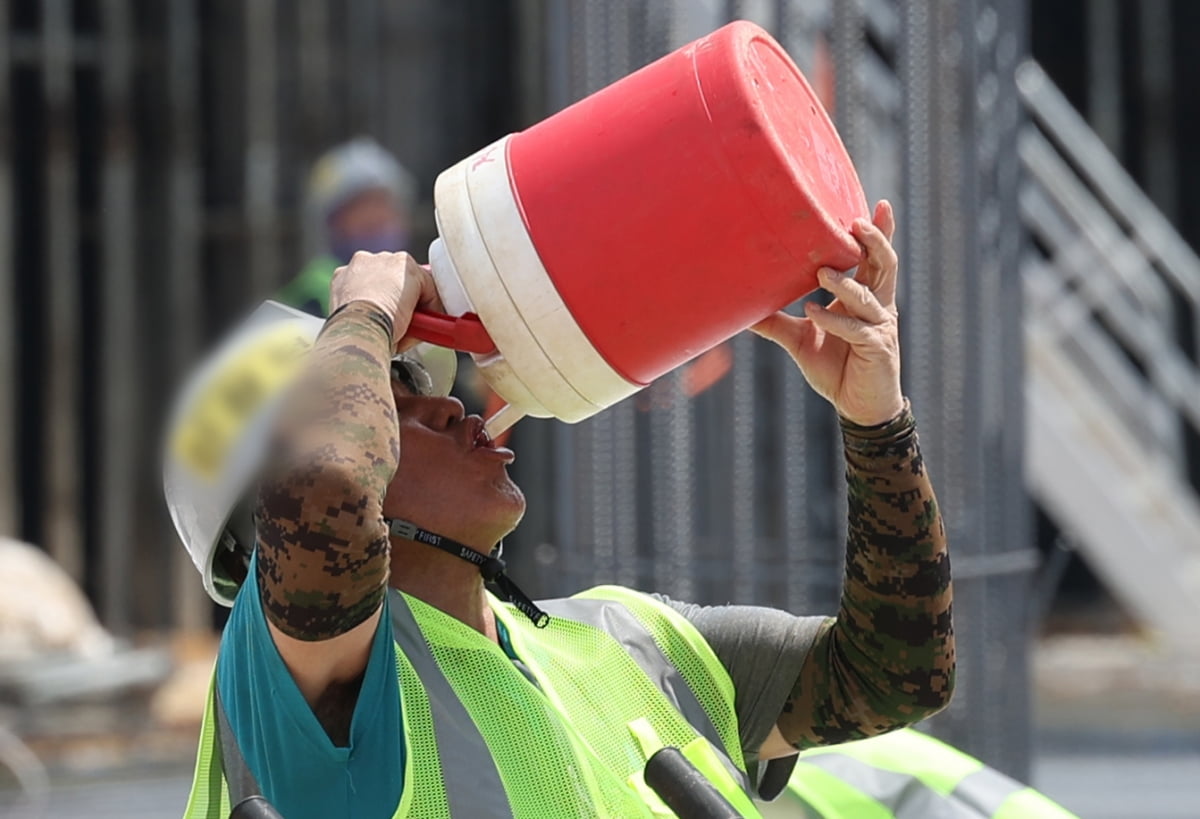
{"x": 451, "y": 480}
{"x": 371, "y": 221}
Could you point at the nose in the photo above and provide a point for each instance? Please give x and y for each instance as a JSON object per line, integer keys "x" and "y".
{"x": 440, "y": 413}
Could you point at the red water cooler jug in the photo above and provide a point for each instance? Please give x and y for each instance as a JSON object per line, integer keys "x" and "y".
{"x": 643, "y": 225}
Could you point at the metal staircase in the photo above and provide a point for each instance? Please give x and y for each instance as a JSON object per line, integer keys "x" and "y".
{"x": 1112, "y": 388}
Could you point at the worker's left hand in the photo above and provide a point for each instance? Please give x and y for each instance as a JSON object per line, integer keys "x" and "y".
{"x": 849, "y": 351}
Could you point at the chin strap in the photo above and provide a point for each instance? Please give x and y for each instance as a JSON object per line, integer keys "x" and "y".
{"x": 490, "y": 566}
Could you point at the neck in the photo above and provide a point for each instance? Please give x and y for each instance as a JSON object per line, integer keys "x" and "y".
{"x": 447, "y": 583}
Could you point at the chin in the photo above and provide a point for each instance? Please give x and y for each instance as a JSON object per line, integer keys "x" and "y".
{"x": 478, "y": 519}
{"x": 511, "y": 512}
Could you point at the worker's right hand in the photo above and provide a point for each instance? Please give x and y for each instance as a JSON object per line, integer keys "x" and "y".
{"x": 392, "y": 282}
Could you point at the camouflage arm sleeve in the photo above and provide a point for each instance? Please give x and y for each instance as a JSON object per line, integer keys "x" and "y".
{"x": 887, "y": 659}
{"x": 322, "y": 544}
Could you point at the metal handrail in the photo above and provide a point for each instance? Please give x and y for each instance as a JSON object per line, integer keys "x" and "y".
{"x": 1117, "y": 272}
{"x": 1153, "y": 233}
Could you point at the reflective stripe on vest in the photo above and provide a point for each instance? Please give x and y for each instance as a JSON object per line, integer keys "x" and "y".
{"x": 620, "y": 624}
{"x": 473, "y": 786}
{"x": 838, "y": 785}
{"x": 986, "y": 790}
{"x": 897, "y": 795}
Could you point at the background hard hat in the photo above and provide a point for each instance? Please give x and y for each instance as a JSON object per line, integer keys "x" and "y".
{"x": 352, "y": 168}
{"x": 218, "y": 433}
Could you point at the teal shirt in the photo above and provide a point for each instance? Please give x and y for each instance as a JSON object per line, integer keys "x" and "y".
{"x": 301, "y": 772}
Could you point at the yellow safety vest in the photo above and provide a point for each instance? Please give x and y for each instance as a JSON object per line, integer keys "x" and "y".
{"x": 614, "y": 677}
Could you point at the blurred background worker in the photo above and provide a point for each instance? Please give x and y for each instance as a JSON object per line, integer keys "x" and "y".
{"x": 359, "y": 197}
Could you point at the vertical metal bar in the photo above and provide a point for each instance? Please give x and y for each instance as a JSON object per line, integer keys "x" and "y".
{"x": 959, "y": 381}
{"x": 671, "y": 469}
{"x": 592, "y": 57}
{"x": 1158, "y": 149}
{"x": 847, "y": 58}
{"x": 743, "y": 545}
{"x": 1007, "y": 521}
{"x": 565, "y": 532}
{"x": 533, "y": 31}
{"x": 917, "y": 228}
{"x": 559, "y": 40}
{"x": 601, "y": 544}
{"x": 118, "y": 401}
{"x": 63, "y": 507}
{"x": 960, "y": 490}
{"x": 362, "y": 51}
{"x": 575, "y": 561}
{"x": 796, "y": 534}
{"x": 625, "y": 493}
{"x": 314, "y": 67}
{"x": 1103, "y": 18}
{"x": 261, "y": 169}
{"x": 186, "y": 217}
{"x": 919, "y": 289}
{"x": 8, "y": 355}
{"x": 394, "y": 103}
{"x": 987, "y": 88}
{"x": 945, "y": 295}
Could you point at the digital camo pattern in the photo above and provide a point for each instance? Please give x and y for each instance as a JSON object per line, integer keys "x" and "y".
{"x": 887, "y": 659}
{"x": 322, "y": 545}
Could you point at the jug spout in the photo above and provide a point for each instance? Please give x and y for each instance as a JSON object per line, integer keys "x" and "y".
{"x": 503, "y": 420}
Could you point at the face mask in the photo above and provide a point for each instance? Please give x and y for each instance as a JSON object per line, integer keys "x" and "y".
{"x": 387, "y": 241}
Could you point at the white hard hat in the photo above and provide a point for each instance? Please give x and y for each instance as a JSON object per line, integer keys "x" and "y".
{"x": 217, "y": 434}
{"x": 352, "y": 168}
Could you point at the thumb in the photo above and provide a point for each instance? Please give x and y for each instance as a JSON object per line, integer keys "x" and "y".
{"x": 776, "y": 327}
{"x": 792, "y": 333}
{"x": 429, "y": 298}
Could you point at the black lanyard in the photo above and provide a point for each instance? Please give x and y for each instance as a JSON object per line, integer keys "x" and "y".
{"x": 490, "y": 566}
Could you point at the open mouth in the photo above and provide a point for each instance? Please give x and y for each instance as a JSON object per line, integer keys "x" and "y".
{"x": 478, "y": 433}
{"x": 482, "y": 439}
{"x": 483, "y": 444}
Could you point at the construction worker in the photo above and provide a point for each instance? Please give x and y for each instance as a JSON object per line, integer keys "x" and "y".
{"x": 365, "y": 671}
{"x": 359, "y": 197}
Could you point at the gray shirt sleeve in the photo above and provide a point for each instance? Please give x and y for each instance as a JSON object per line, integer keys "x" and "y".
{"x": 762, "y": 649}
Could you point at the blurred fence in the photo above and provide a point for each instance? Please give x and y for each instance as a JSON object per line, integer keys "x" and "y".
{"x": 151, "y": 162}
{"x": 736, "y": 494}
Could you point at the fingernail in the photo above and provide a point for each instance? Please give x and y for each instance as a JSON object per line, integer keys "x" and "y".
{"x": 830, "y": 274}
